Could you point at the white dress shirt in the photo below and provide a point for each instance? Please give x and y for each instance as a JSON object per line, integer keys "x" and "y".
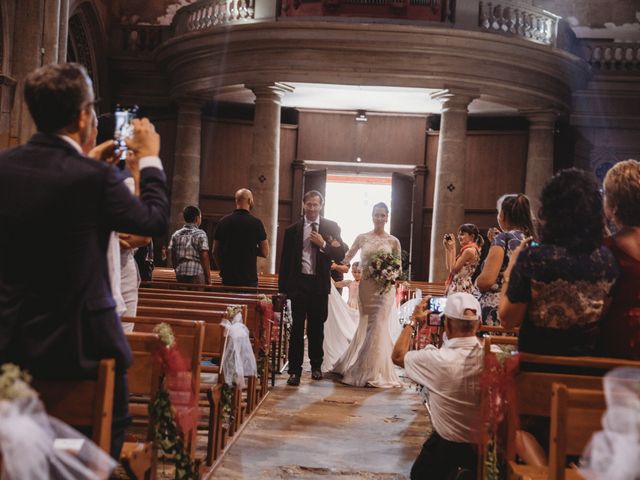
{"x": 308, "y": 249}
{"x": 451, "y": 377}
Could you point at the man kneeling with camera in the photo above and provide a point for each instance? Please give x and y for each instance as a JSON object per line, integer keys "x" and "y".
{"x": 450, "y": 376}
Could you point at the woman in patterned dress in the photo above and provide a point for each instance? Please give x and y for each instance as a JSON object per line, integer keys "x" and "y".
{"x": 516, "y": 224}
{"x": 462, "y": 265}
{"x": 557, "y": 292}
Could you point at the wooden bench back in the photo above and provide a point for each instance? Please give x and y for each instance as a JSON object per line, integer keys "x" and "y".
{"x": 575, "y": 415}
{"x": 83, "y": 403}
{"x": 189, "y": 335}
{"x": 144, "y": 373}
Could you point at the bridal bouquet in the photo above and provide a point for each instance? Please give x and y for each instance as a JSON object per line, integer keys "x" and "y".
{"x": 384, "y": 269}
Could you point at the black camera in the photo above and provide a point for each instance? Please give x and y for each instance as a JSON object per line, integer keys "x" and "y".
{"x": 448, "y": 236}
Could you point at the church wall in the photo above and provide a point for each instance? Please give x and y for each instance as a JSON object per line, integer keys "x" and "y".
{"x": 337, "y": 136}
{"x": 495, "y": 164}
{"x": 496, "y": 161}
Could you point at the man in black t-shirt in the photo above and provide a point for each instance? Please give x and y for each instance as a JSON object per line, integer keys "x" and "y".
{"x": 239, "y": 239}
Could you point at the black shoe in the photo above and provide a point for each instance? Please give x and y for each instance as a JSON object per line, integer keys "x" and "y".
{"x": 294, "y": 380}
{"x": 316, "y": 374}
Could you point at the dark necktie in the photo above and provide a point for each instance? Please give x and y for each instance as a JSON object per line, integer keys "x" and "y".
{"x": 314, "y": 226}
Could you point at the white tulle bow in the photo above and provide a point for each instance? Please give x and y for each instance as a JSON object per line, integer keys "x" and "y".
{"x": 27, "y": 436}
{"x": 614, "y": 452}
{"x": 238, "y": 360}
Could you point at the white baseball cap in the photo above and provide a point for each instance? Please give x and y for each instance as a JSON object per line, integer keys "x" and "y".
{"x": 457, "y": 303}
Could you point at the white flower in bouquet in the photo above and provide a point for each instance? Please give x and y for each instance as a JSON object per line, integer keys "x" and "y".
{"x": 384, "y": 269}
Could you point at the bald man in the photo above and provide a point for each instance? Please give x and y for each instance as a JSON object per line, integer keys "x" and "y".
{"x": 239, "y": 239}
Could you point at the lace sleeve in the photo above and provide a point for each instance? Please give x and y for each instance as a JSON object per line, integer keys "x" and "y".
{"x": 395, "y": 247}
{"x": 353, "y": 250}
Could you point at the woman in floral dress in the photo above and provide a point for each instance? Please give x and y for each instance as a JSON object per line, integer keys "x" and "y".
{"x": 462, "y": 265}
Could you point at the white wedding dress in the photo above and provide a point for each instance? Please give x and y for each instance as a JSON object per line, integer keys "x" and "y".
{"x": 339, "y": 329}
{"x": 367, "y": 361}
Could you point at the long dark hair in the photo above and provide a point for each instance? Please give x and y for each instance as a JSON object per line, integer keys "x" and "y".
{"x": 474, "y": 231}
{"x": 516, "y": 210}
{"x": 571, "y": 211}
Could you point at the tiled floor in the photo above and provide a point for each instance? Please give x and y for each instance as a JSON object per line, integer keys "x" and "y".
{"x": 324, "y": 429}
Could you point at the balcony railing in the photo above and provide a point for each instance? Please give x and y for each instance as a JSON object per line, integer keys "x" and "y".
{"x": 138, "y": 39}
{"x": 210, "y": 13}
{"x": 513, "y": 18}
{"x": 613, "y": 56}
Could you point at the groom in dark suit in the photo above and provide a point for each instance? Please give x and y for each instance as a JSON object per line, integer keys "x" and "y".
{"x": 309, "y": 247}
{"x": 57, "y": 312}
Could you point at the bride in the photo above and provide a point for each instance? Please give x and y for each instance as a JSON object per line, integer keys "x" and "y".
{"x": 367, "y": 361}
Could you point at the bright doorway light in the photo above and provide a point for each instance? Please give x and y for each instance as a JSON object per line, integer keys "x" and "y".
{"x": 350, "y": 199}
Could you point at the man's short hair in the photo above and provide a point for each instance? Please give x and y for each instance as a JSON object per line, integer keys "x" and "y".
{"x": 463, "y": 326}
{"x": 190, "y": 213}
{"x": 313, "y": 193}
{"x": 56, "y": 94}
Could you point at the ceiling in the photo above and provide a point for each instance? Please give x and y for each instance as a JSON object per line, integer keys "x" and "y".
{"x": 316, "y": 96}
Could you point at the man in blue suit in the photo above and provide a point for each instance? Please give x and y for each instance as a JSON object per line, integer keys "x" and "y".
{"x": 57, "y": 210}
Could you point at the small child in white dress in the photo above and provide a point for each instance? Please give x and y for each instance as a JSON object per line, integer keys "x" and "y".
{"x": 352, "y": 285}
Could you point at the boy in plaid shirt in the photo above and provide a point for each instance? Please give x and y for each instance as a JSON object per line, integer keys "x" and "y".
{"x": 190, "y": 250}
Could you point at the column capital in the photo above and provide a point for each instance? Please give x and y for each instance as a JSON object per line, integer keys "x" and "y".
{"x": 541, "y": 119}
{"x": 270, "y": 92}
{"x": 420, "y": 170}
{"x": 455, "y": 99}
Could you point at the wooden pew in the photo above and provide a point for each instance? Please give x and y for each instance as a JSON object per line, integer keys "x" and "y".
{"x": 140, "y": 458}
{"x": 538, "y": 373}
{"x": 83, "y": 403}
{"x": 211, "y": 346}
{"x": 575, "y": 415}
{"x": 179, "y": 307}
{"x": 197, "y": 340}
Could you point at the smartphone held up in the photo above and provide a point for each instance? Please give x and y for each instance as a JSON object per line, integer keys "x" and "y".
{"x": 437, "y": 304}
{"x": 124, "y": 128}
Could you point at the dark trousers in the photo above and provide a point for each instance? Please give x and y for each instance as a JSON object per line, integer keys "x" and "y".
{"x": 311, "y": 306}
{"x": 439, "y": 459}
{"x": 121, "y": 418}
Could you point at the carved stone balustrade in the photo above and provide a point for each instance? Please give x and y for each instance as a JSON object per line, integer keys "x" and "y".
{"x": 419, "y": 10}
{"x": 138, "y": 39}
{"x": 513, "y": 18}
{"x": 613, "y": 56}
{"x": 205, "y": 14}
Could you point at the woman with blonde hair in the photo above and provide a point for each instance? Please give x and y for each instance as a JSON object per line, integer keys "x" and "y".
{"x": 621, "y": 326}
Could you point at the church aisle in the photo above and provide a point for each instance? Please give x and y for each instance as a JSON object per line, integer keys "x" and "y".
{"x": 324, "y": 430}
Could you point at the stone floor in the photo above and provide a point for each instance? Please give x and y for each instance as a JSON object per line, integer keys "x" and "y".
{"x": 324, "y": 429}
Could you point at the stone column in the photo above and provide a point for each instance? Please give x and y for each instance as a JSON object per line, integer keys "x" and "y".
{"x": 539, "y": 155}
{"x": 186, "y": 171}
{"x": 51, "y": 31}
{"x": 64, "y": 31}
{"x": 448, "y": 199}
{"x": 264, "y": 171}
{"x": 27, "y": 56}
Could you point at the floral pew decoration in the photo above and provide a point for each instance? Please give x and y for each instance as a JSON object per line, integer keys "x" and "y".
{"x": 174, "y": 411}
{"x": 498, "y": 407}
{"x": 238, "y": 359}
{"x": 34, "y": 445}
